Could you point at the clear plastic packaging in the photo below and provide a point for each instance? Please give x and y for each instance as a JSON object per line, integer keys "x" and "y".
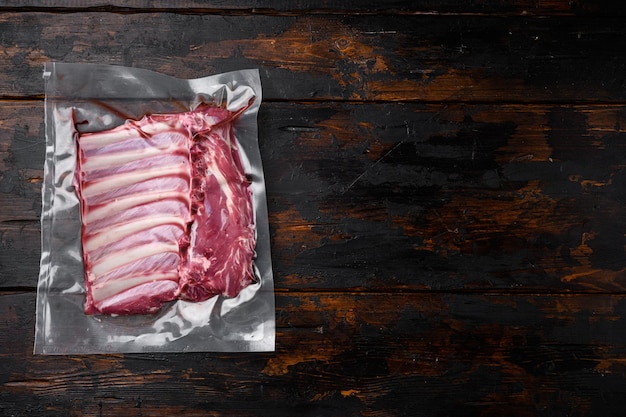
{"x": 84, "y": 98}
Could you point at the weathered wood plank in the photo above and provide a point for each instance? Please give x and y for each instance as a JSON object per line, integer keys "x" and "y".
{"x": 350, "y": 354}
{"x": 360, "y": 57}
{"x": 22, "y": 153}
{"x": 20, "y": 250}
{"x": 443, "y": 197}
{"x": 447, "y": 227}
{"x": 516, "y": 7}
{"x": 510, "y": 197}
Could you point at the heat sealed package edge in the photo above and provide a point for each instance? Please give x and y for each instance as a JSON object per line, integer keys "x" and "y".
{"x": 155, "y": 234}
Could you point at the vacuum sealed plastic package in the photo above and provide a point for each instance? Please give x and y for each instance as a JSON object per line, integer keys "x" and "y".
{"x": 155, "y": 234}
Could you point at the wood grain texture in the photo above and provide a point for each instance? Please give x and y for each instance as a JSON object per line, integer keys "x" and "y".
{"x": 441, "y": 197}
{"x": 350, "y": 354}
{"x": 360, "y": 57}
{"x": 394, "y": 7}
{"x": 22, "y": 152}
{"x": 446, "y": 196}
{"x": 429, "y": 197}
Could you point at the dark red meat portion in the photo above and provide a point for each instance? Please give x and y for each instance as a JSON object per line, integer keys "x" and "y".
{"x": 222, "y": 206}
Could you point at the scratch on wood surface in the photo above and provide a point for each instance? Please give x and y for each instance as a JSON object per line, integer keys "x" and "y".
{"x": 521, "y": 158}
{"x": 381, "y": 32}
{"x": 372, "y": 166}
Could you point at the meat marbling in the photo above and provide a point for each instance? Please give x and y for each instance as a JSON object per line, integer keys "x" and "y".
{"x": 166, "y": 210}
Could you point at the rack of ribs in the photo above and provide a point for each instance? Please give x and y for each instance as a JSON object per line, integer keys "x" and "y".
{"x": 166, "y": 212}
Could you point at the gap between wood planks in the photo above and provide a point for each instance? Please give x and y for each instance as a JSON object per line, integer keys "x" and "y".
{"x": 269, "y": 11}
{"x": 499, "y": 292}
{"x": 278, "y": 8}
{"x": 321, "y": 101}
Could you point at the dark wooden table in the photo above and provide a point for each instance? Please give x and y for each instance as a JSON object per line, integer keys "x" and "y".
{"x": 446, "y": 185}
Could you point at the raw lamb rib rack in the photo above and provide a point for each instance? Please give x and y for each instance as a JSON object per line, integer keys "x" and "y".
{"x": 166, "y": 212}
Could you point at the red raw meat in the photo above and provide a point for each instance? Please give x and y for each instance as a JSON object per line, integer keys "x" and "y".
{"x": 166, "y": 212}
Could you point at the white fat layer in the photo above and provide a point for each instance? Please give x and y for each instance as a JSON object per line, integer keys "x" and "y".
{"x": 120, "y": 204}
{"x": 118, "y": 232}
{"x": 115, "y": 182}
{"x": 117, "y": 259}
{"x": 125, "y": 132}
{"x": 120, "y": 158}
{"x": 107, "y": 289}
